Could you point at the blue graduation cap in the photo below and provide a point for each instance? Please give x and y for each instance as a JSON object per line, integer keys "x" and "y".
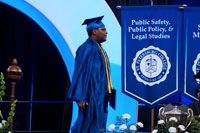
{"x": 93, "y": 23}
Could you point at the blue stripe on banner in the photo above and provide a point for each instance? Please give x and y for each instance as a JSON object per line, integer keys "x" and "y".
{"x": 151, "y": 38}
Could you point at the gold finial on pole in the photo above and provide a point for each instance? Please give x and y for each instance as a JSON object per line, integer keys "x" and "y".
{"x": 118, "y": 7}
{"x": 181, "y": 8}
{"x": 184, "y": 5}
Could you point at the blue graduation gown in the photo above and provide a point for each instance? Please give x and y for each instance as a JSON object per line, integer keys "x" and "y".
{"x": 90, "y": 84}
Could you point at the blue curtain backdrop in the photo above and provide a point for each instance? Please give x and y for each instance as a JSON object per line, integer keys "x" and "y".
{"x": 151, "y": 39}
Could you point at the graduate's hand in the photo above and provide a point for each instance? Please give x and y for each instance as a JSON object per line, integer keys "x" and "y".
{"x": 81, "y": 105}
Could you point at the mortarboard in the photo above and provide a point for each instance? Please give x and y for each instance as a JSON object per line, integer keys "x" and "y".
{"x": 93, "y": 23}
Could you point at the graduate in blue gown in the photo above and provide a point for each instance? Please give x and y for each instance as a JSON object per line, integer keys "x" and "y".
{"x": 91, "y": 82}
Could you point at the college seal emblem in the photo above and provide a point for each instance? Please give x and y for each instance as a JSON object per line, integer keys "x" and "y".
{"x": 151, "y": 65}
{"x": 196, "y": 67}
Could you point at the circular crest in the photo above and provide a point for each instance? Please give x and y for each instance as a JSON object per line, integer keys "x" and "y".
{"x": 196, "y": 67}
{"x": 151, "y": 65}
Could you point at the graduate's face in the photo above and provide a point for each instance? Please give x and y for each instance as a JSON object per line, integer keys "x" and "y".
{"x": 101, "y": 34}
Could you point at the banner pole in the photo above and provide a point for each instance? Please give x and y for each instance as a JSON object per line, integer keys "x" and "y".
{"x": 152, "y": 119}
{"x": 151, "y": 2}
